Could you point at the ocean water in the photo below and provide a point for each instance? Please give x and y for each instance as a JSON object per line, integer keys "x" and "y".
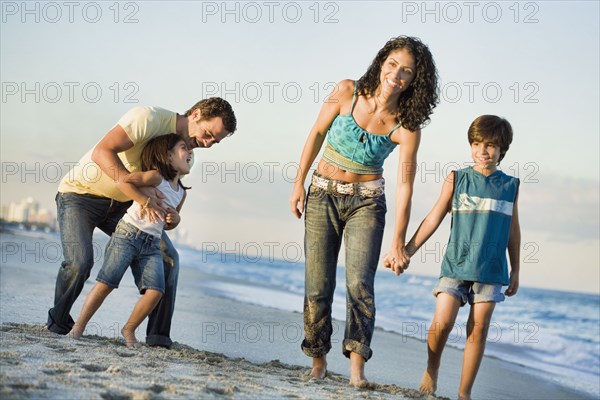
{"x": 556, "y": 334}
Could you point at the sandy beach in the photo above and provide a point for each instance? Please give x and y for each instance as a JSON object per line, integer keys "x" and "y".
{"x": 223, "y": 348}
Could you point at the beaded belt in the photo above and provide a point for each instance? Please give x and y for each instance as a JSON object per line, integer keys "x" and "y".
{"x": 364, "y": 189}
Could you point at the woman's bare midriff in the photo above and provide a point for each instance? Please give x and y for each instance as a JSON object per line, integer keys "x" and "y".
{"x": 332, "y": 172}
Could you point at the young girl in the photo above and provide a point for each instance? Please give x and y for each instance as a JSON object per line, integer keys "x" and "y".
{"x": 485, "y": 223}
{"x": 136, "y": 240}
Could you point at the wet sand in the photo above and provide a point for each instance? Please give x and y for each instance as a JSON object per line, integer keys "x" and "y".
{"x": 223, "y": 348}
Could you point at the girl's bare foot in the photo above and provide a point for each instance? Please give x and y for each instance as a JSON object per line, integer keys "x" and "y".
{"x": 319, "y": 368}
{"x": 77, "y": 331}
{"x": 428, "y": 382}
{"x": 130, "y": 339}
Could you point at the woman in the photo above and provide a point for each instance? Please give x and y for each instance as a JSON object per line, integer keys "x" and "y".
{"x": 364, "y": 121}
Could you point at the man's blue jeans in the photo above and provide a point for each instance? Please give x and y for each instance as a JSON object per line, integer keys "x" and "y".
{"x": 78, "y": 216}
{"x": 360, "y": 221}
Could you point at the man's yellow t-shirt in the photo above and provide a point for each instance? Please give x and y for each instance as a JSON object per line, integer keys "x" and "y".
{"x": 141, "y": 124}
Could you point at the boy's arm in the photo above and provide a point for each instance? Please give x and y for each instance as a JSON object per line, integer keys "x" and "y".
{"x": 435, "y": 217}
{"x": 173, "y": 219}
{"x": 514, "y": 251}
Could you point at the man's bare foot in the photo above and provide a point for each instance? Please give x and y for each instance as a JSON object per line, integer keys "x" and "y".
{"x": 428, "y": 382}
{"x": 130, "y": 339}
{"x": 319, "y": 368}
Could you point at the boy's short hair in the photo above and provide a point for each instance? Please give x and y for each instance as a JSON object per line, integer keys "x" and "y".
{"x": 491, "y": 129}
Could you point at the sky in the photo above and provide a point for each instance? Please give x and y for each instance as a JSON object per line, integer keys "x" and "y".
{"x": 69, "y": 70}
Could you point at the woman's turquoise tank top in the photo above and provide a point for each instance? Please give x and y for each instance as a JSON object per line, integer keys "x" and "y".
{"x": 354, "y": 149}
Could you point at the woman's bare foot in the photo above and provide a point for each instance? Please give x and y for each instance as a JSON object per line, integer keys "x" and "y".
{"x": 319, "y": 368}
{"x": 357, "y": 371}
{"x": 428, "y": 382}
{"x": 130, "y": 339}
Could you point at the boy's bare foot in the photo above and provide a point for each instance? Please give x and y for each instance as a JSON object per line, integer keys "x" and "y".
{"x": 130, "y": 339}
{"x": 428, "y": 382}
{"x": 464, "y": 397}
{"x": 319, "y": 368}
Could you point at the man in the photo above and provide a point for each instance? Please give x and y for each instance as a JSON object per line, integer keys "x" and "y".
{"x": 88, "y": 198}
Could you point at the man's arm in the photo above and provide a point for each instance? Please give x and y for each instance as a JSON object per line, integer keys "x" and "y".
{"x": 105, "y": 154}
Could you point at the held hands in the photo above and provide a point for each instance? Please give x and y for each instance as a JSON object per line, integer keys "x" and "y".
{"x": 513, "y": 286}
{"x": 397, "y": 260}
{"x": 297, "y": 200}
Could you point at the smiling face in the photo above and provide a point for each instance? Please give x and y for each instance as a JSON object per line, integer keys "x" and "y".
{"x": 485, "y": 156}
{"x": 180, "y": 158}
{"x": 205, "y": 132}
{"x": 397, "y": 72}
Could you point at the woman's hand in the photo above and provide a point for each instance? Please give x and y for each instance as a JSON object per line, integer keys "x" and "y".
{"x": 297, "y": 200}
{"x": 397, "y": 260}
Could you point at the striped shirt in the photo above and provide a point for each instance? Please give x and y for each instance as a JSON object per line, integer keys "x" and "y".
{"x": 482, "y": 208}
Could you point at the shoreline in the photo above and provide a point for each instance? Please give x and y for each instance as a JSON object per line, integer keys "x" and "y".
{"x": 255, "y": 350}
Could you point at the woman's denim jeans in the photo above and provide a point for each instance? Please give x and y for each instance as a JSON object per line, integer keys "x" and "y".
{"x": 78, "y": 216}
{"x": 360, "y": 221}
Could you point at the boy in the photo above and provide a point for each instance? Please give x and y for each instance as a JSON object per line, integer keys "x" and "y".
{"x": 485, "y": 222}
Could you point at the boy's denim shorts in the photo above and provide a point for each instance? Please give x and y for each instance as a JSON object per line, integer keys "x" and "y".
{"x": 473, "y": 292}
{"x": 131, "y": 247}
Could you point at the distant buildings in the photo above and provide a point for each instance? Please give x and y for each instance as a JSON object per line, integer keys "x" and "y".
{"x": 29, "y": 213}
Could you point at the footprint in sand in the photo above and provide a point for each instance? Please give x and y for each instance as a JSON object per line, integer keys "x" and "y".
{"x": 124, "y": 353}
{"x": 10, "y": 358}
{"x": 26, "y": 386}
{"x": 228, "y": 390}
{"x": 60, "y": 348}
{"x": 115, "y": 395}
{"x": 157, "y": 388}
{"x": 94, "y": 367}
{"x": 56, "y": 368}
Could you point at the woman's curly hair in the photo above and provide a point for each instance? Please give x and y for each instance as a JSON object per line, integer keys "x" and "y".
{"x": 417, "y": 102}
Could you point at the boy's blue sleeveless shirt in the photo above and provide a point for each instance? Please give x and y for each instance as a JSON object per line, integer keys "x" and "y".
{"x": 482, "y": 208}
